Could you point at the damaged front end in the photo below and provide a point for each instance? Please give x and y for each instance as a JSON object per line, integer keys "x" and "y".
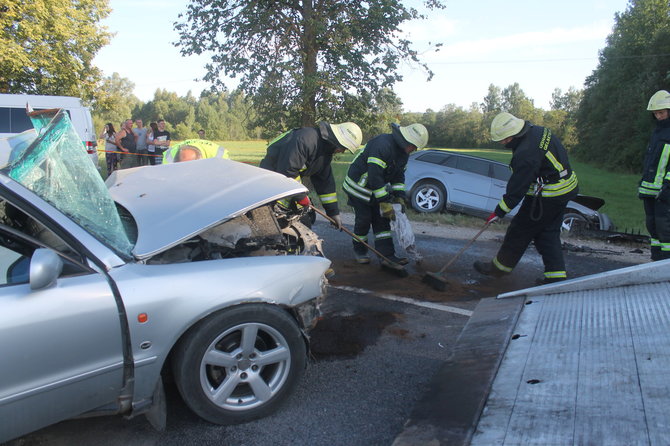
{"x": 260, "y": 232}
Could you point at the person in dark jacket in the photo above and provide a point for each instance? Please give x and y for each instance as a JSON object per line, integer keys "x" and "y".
{"x": 375, "y": 179}
{"x": 654, "y": 187}
{"x": 308, "y": 152}
{"x": 543, "y": 181}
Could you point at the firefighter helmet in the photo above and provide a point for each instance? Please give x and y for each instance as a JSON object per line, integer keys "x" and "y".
{"x": 659, "y": 101}
{"x": 348, "y": 134}
{"x": 505, "y": 125}
{"x": 415, "y": 134}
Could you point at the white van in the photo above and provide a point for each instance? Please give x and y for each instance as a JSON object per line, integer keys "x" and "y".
{"x": 13, "y": 118}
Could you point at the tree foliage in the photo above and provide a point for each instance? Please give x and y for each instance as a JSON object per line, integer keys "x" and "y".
{"x": 613, "y": 124}
{"x": 47, "y": 47}
{"x": 300, "y": 60}
{"x": 114, "y": 101}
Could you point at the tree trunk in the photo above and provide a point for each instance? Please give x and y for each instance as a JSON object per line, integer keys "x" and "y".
{"x": 309, "y": 65}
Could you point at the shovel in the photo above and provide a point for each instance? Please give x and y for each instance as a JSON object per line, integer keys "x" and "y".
{"x": 436, "y": 280}
{"x": 398, "y": 270}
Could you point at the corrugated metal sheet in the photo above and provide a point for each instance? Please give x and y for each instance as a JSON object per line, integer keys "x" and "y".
{"x": 586, "y": 367}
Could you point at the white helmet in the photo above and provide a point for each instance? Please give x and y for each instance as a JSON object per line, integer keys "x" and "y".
{"x": 505, "y": 125}
{"x": 415, "y": 134}
{"x": 659, "y": 101}
{"x": 348, "y": 134}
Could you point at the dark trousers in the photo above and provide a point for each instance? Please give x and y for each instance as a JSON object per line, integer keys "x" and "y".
{"x": 542, "y": 228}
{"x": 657, "y": 219}
{"x": 368, "y": 215}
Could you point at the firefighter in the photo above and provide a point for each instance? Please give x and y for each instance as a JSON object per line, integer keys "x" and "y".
{"x": 543, "y": 182}
{"x": 194, "y": 149}
{"x": 378, "y": 168}
{"x": 308, "y": 152}
{"x": 654, "y": 187}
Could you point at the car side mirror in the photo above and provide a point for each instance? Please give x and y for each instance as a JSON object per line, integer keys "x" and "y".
{"x": 45, "y": 267}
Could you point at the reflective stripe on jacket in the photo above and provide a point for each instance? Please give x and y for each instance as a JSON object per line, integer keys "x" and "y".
{"x": 381, "y": 162}
{"x": 539, "y": 166}
{"x": 306, "y": 152}
{"x": 656, "y": 159}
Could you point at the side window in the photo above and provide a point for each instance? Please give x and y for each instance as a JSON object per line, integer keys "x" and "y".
{"x": 432, "y": 157}
{"x": 14, "y": 265}
{"x": 451, "y": 161}
{"x": 4, "y": 121}
{"x": 19, "y": 121}
{"x": 480, "y": 167}
{"x": 20, "y": 235}
{"x": 501, "y": 172}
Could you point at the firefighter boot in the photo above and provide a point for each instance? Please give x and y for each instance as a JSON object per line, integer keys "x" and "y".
{"x": 362, "y": 258}
{"x": 546, "y": 280}
{"x": 398, "y": 260}
{"x": 488, "y": 269}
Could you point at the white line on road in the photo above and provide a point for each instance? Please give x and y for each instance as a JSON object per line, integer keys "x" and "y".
{"x": 406, "y": 300}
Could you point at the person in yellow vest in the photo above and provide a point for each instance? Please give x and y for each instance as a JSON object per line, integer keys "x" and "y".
{"x": 194, "y": 149}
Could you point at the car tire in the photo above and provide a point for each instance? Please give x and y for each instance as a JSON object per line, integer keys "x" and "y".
{"x": 573, "y": 221}
{"x": 428, "y": 196}
{"x": 239, "y": 364}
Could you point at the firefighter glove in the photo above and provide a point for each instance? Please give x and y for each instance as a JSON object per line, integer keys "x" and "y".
{"x": 492, "y": 218}
{"x": 336, "y": 221}
{"x": 304, "y": 201}
{"x": 401, "y": 201}
{"x": 386, "y": 209}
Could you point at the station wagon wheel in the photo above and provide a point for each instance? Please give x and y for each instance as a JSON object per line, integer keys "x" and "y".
{"x": 573, "y": 221}
{"x": 240, "y": 364}
{"x": 428, "y": 196}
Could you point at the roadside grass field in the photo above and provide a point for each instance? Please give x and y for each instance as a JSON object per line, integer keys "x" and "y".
{"x": 618, "y": 190}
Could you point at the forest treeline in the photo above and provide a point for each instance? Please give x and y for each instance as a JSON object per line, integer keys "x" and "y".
{"x": 605, "y": 123}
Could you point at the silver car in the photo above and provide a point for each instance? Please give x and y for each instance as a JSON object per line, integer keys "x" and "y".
{"x": 439, "y": 180}
{"x": 182, "y": 267}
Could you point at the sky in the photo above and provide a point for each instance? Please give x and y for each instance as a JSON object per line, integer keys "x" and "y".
{"x": 541, "y": 44}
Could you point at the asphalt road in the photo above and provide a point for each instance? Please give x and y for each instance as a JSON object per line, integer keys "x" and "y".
{"x": 374, "y": 353}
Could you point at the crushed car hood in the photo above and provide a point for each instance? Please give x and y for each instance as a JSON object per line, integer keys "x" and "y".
{"x": 171, "y": 203}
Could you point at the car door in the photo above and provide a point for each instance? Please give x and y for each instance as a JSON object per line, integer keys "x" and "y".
{"x": 471, "y": 184}
{"x": 60, "y": 344}
{"x": 500, "y": 176}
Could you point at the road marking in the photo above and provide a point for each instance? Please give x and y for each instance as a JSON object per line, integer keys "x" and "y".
{"x": 406, "y": 300}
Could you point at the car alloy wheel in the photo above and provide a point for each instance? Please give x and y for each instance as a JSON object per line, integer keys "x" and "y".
{"x": 240, "y": 364}
{"x": 573, "y": 222}
{"x": 428, "y": 197}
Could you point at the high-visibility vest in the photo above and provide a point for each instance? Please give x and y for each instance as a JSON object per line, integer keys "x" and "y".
{"x": 208, "y": 149}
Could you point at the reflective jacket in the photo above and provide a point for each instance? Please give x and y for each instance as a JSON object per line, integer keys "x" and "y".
{"x": 208, "y": 149}
{"x": 307, "y": 152}
{"x": 539, "y": 166}
{"x": 655, "y": 172}
{"x": 381, "y": 162}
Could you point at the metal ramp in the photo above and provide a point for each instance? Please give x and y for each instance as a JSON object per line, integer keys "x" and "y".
{"x": 587, "y": 367}
{"x": 584, "y": 362}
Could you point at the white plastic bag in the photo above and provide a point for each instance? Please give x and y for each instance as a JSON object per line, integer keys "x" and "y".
{"x": 404, "y": 233}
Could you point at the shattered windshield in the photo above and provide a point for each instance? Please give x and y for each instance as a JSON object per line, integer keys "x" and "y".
{"x": 55, "y": 167}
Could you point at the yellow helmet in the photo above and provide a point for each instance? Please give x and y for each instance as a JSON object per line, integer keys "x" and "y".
{"x": 505, "y": 125}
{"x": 415, "y": 134}
{"x": 348, "y": 134}
{"x": 659, "y": 101}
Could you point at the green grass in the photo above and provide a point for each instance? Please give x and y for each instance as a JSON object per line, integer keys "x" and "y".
{"x": 618, "y": 190}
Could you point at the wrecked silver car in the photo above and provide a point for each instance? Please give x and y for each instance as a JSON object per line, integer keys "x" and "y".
{"x": 183, "y": 268}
